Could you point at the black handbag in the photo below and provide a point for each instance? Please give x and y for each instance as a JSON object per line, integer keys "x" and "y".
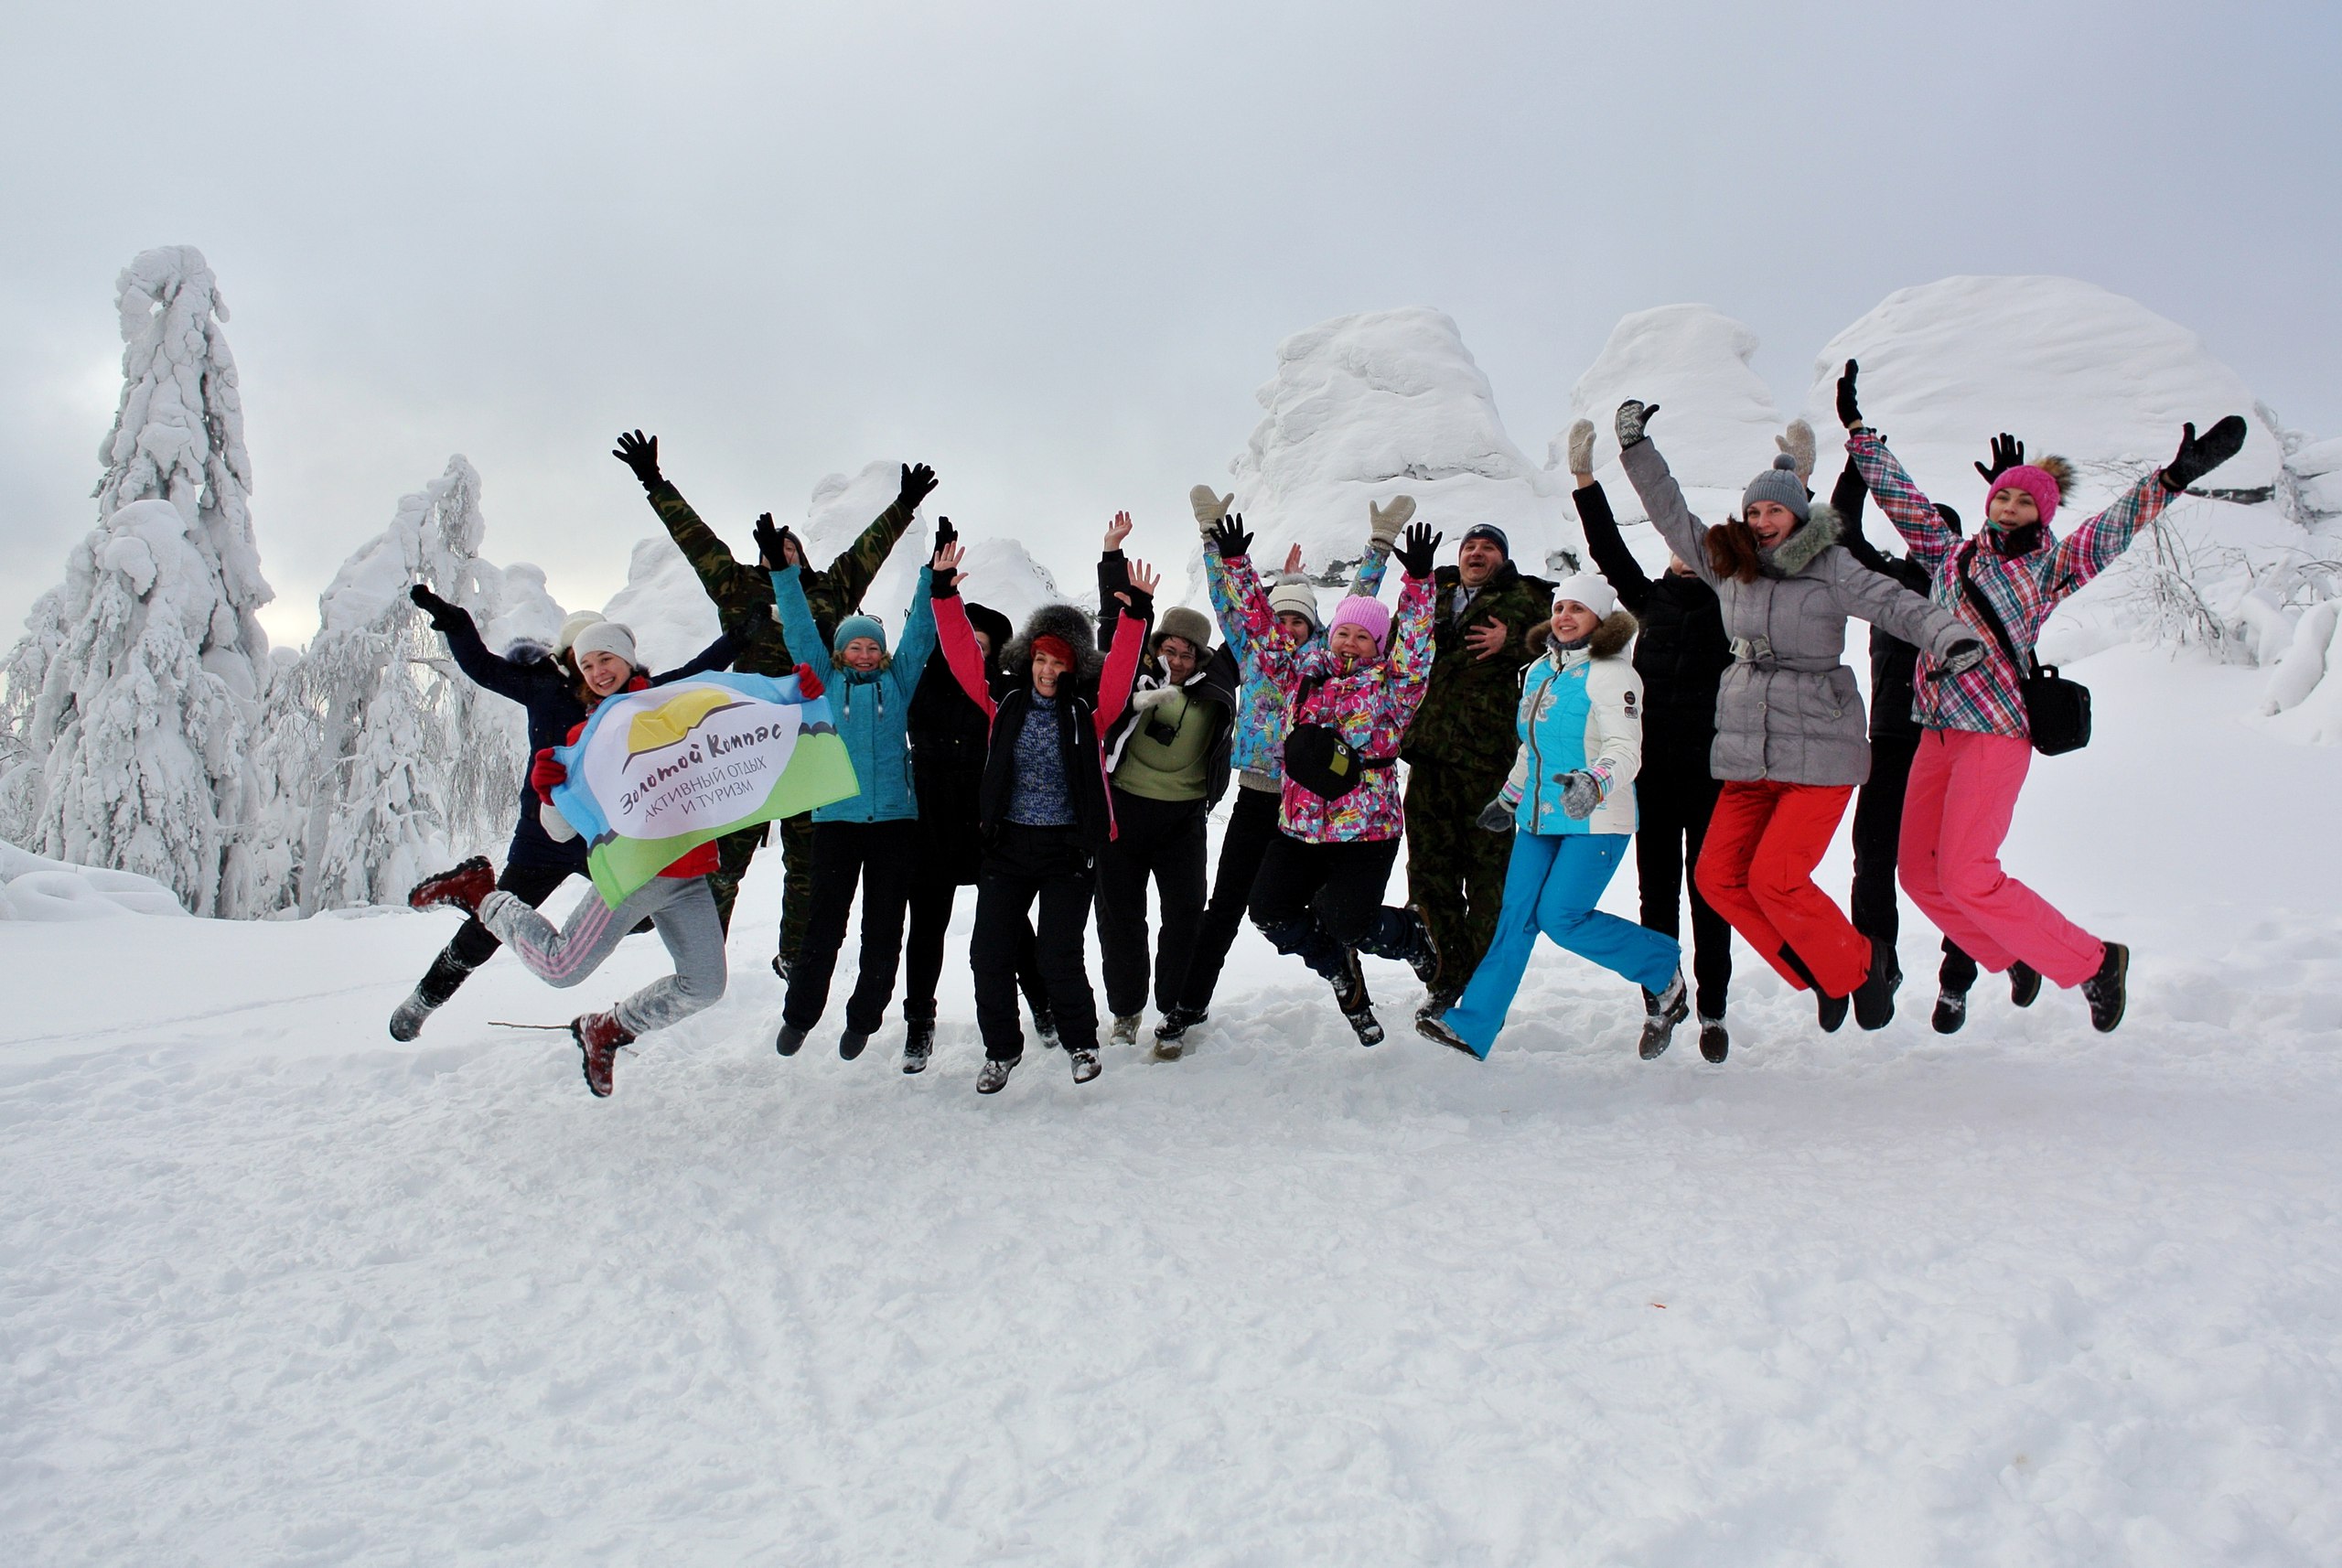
{"x": 2057, "y": 711}
{"x": 1317, "y": 758}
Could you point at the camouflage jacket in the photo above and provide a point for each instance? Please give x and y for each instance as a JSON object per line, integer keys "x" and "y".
{"x": 1466, "y": 718}
{"x": 743, "y": 594}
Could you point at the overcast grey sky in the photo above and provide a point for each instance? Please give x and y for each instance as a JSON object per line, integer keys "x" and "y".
{"x": 1050, "y": 248}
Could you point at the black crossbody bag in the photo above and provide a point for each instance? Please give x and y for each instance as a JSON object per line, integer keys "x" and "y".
{"x": 2055, "y": 710}
{"x": 1317, "y": 758}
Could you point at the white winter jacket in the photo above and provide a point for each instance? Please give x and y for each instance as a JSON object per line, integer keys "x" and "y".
{"x": 1581, "y": 709}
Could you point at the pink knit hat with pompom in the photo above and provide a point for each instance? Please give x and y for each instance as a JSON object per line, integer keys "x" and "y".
{"x": 1372, "y": 617}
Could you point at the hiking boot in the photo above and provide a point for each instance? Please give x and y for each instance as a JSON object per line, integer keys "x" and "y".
{"x": 1435, "y": 1026}
{"x": 1662, "y": 1013}
{"x": 2107, "y": 991}
{"x": 790, "y": 1040}
{"x": 598, "y": 1037}
{"x": 1045, "y": 1027}
{"x": 2025, "y": 983}
{"x": 1436, "y": 1002}
{"x": 994, "y": 1076}
{"x": 1832, "y": 1011}
{"x": 1873, "y": 999}
{"x": 851, "y": 1043}
{"x": 918, "y": 1043}
{"x": 1422, "y": 953}
{"x": 1715, "y": 1044}
{"x": 461, "y": 888}
{"x": 1951, "y": 1010}
{"x": 1171, "y": 1033}
{"x": 1125, "y": 1031}
{"x": 1085, "y": 1064}
{"x": 430, "y": 994}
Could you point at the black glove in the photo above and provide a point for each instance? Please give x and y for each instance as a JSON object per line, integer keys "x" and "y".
{"x": 640, "y": 453}
{"x": 1633, "y": 421}
{"x": 769, "y": 542}
{"x": 1416, "y": 553}
{"x": 1227, "y": 537}
{"x": 2008, "y": 453}
{"x": 1850, "y": 411}
{"x": 918, "y": 482}
{"x": 943, "y": 584}
{"x": 945, "y": 533}
{"x": 1960, "y": 657}
{"x": 2198, "y": 456}
{"x": 444, "y": 617}
{"x": 1496, "y": 817}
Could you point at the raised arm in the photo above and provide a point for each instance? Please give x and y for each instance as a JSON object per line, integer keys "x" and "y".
{"x": 1611, "y": 557}
{"x": 710, "y": 558}
{"x": 486, "y": 670}
{"x": 1239, "y": 591}
{"x": 1136, "y": 601}
{"x": 919, "y": 638}
{"x": 716, "y": 656}
{"x": 1383, "y": 526}
{"x": 1661, "y": 497}
{"x": 797, "y": 628}
{"x": 953, "y": 632}
{"x": 1411, "y": 650}
{"x": 1113, "y": 577}
{"x": 1905, "y": 505}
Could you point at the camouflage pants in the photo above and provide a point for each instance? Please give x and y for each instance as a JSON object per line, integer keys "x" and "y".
{"x": 1456, "y": 868}
{"x": 735, "y": 851}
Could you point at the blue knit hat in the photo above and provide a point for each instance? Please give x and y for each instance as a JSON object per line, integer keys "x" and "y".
{"x": 857, "y": 626}
{"x": 1779, "y": 483}
{"x": 1490, "y": 531}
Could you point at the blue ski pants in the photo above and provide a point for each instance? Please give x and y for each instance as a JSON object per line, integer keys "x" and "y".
{"x": 1552, "y": 886}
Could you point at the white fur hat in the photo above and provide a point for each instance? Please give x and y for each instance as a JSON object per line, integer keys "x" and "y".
{"x": 1590, "y": 589}
{"x": 605, "y": 637}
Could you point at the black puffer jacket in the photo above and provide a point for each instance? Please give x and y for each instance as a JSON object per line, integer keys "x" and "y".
{"x": 547, "y": 692}
{"x": 947, "y": 736}
{"x": 1894, "y": 663}
{"x": 1682, "y": 651}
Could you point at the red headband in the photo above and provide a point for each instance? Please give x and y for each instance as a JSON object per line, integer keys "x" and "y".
{"x": 1057, "y": 647}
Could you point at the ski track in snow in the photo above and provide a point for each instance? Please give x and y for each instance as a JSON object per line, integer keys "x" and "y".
{"x": 276, "y": 1290}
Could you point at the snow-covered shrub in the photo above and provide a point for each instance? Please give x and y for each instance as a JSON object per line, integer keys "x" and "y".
{"x": 33, "y": 888}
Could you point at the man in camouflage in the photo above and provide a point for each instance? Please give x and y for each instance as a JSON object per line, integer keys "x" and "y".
{"x": 744, "y": 604}
{"x": 1461, "y": 745}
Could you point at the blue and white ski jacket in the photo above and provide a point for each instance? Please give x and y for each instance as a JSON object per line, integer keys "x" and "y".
{"x": 1581, "y": 710}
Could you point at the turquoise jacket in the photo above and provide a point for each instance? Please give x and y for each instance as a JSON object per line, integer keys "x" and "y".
{"x": 872, "y": 711}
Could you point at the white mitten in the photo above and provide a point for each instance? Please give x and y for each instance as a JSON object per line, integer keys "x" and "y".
{"x": 1387, "y": 521}
{"x": 556, "y": 826}
{"x": 1211, "y": 507}
{"x": 1582, "y": 447}
{"x": 1798, "y": 442}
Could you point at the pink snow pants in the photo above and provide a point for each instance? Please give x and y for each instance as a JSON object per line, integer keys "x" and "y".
{"x": 1962, "y": 793}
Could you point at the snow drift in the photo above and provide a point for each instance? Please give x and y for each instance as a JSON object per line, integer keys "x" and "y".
{"x": 1718, "y": 419}
{"x": 34, "y": 887}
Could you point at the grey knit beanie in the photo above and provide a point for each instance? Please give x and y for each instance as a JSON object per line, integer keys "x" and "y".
{"x": 1779, "y": 483}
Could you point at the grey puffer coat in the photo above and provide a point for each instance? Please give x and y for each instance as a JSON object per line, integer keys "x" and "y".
{"x": 1788, "y": 711}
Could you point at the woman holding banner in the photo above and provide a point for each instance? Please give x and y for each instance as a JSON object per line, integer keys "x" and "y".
{"x": 677, "y": 899}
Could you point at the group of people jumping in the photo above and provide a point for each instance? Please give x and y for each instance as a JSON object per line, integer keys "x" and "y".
{"x": 1514, "y": 733}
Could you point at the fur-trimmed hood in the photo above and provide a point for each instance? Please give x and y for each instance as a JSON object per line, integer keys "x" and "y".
{"x": 1071, "y": 626}
{"x": 1817, "y": 534}
{"x": 1608, "y": 641}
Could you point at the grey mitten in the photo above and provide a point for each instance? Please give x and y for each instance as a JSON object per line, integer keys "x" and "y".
{"x": 1633, "y": 421}
{"x": 1387, "y": 521}
{"x": 1211, "y": 507}
{"x": 1496, "y": 817}
{"x": 1961, "y": 657}
{"x": 1581, "y": 792}
{"x": 1582, "y": 447}
{"x": 1798, "y": 442}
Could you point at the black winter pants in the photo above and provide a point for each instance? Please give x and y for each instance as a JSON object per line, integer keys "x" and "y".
{"x": 1162, "y": 841}
{"x": 1674, "y": 797}
{"x": 1455, "y": 867}
{"x": 1025, "y": 866}
{"x": 473, "y": 943}
{"x": 1319, "y": 900}
{"x": 934, "y": 889}
{"x": 878, "y": 856}
{"x": 1252, "y": 828}
{"x": 1879, "y": 830}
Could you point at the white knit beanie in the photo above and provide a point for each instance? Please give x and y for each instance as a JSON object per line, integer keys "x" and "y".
{"x": 576, "y": 623}
{"x": 605, "y": 637}
{"x": 1590, "y": 589}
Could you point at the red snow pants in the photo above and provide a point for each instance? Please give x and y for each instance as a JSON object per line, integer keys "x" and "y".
{"x": 1956, "y": 812}
{"x": 1756, "y": 869}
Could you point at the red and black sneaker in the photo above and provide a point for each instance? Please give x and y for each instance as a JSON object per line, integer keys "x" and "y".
{"x": 598, "y": 1036}
{"x": 461, "y": 888}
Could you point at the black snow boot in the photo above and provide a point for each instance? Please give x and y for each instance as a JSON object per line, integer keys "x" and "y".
{"x": 1875, "y": 997}
{"x": 851, "y": 1043}
{"x": 1045, "y": 1027}
{"x": 2025, "y": 983}
{"x": 1831, "y": 1010}
{"x": 1951, "y": 1010}
{"x": 918, "y": 1043}
{"x": 1171, "y": 1033}
{"x": 2107, "y": 991}
{"x": 1349, "y": 995}
{"x": 1715, "y": 1044}
{"x": 430, "y": 994}
{"x": 1662, "y": 1013}
{"x": 790, "y": 1040}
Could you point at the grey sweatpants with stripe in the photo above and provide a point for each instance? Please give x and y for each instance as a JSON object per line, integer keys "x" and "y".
{"x": 684, "y": 909}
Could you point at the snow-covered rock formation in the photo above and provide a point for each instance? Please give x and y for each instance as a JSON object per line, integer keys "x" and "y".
{"x": 1370, "y": 406}
{"x": 1718, "y": 419}
{"x": 34, "y": 887}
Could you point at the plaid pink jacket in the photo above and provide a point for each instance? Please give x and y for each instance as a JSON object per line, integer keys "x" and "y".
{"x": 2022, "y": 589}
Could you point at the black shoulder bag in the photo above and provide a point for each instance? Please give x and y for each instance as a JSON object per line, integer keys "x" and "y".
{"x": 2055, "y": 710}
{"x": 1317, "y": 758}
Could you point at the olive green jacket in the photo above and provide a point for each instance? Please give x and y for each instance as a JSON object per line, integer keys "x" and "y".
{"x": 743, "y": 594}
{"x": 1467, "y": 715}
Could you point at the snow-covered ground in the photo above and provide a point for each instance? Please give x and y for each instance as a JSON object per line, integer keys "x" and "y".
{"x": 279, "y": 1292}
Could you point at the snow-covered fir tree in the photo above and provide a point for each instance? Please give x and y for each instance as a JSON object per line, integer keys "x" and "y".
{"x": 145, "y": 669}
